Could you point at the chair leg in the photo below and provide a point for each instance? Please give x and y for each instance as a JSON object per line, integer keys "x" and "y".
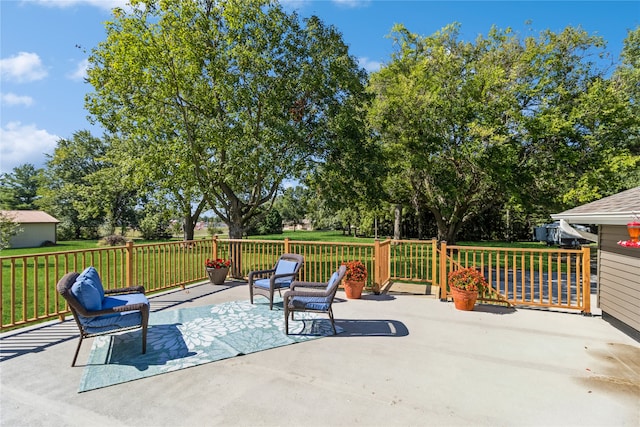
{"x": 144, "y": 313}
{"x": 286, "y": 321}
{"x": 333, "y": 324}
{"x": 144, "y": 339}
{"x": 75, "y": 356}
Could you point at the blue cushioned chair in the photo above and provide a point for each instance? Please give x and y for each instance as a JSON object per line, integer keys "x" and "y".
{"x": 98, "y": 311}
{"x": 265, "y": 282}
{"x": 315, "y": 297}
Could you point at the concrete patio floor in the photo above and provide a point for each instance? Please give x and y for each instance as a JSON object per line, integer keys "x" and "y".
{"x": 402, "y": 360}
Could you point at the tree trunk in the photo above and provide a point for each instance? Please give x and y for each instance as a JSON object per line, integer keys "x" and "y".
{"x": 188, "y": 227}
{"x": 190, "y": 220}
{"x": 235, "y": 249}
{"x": 397, "y": 222}
{"x": 235, "y": 231}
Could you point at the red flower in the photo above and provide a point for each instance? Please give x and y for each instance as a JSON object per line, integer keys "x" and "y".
{"x": 217, "y": 263}
{"x": 468, "y": 279}
{"x": 356, "y": 271}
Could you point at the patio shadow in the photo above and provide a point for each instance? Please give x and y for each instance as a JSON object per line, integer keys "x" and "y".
{"x": 371, "y": 328}
{"x": 495, "y": 309}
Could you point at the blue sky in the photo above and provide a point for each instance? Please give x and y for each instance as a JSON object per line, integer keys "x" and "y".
{"x": 42, "y": 68}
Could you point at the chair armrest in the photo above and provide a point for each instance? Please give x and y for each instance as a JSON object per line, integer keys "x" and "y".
{"x": 130, "y": 290}
{"x": 131, "y": 307}
{"x": 301, "y": 284}
{"x": 292, "y": 293}
{"x": 119, "y": 309}
{"x": 259, "y": 273}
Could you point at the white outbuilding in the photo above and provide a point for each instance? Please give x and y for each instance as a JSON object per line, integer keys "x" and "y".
{"x": 37, "y": 227}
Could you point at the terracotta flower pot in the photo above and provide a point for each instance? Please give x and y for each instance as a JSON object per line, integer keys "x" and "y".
{"x": 217, "y": 276}
{"x": 463, "y": 299}
{"x": 353, "y": 289}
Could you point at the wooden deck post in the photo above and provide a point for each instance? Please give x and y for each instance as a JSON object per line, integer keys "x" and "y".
{"x": 129, "y": 263}
{"x": 214, "y": 249}
{"x": 377, "y": 266}
{"x": 586, "y": 280}
{"x": 434, "y": 262}
{"x": 443, "y": 270}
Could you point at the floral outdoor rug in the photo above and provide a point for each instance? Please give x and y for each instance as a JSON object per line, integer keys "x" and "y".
{"x": 178, "y": 339}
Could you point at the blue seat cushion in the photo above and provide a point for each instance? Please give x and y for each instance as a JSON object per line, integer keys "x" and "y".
{"x": 310, "y": 303}
{"x": 88, "y": 289}
{"x": 282, "y": 282}
{"x": 115, "y": 321}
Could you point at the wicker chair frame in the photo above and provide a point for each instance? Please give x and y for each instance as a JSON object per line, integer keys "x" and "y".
{"x": 263, "y": 274}
{"x": 312, "y": 289}
{"x": 64, "y": 288}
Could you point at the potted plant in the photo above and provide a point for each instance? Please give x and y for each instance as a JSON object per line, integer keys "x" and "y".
{"x": 465, "y": 285}
{"x": 354, "y": 279}
{"x": 217, "y": 269}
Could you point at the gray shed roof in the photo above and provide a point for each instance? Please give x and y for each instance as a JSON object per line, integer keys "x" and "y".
{"x": 30, "y": 217}
{"x": 618, "y": 209}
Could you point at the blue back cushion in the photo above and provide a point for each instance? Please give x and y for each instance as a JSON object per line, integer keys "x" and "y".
{"x": 88, "y": 289}
{"x": 285, "y": 267}
{"x": 332, "y": 281}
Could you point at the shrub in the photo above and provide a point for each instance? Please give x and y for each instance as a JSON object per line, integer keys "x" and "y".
{"x": 356, "y": 271}
{"x": 8, "y": 229}
{"x": 155, "y": 227}
{"x": 272, "y": 223}
{"x": 468, "y": 279}
{"x": 113, "y": 240}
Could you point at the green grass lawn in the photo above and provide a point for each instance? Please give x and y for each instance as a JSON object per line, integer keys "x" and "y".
{"x": 309, "y": 236}
{"x": 315, "y": 236}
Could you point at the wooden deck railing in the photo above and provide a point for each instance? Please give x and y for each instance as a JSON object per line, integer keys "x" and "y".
{"x": 541, "y": 277}
{"x": 552, "y": 278}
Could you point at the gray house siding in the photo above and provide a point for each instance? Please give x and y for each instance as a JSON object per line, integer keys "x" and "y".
{"x": 619, "y": 277}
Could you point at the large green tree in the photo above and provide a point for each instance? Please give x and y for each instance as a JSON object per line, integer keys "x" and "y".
{"x": 572, "y": 127}
{"x": 469, "y": 126}
{"x": 164, "y": 180}
{"x": 84, "y": 189}
{"x": 439, "y": 108}
{"x": 292, "y": 205}
{"x": 19, "y": 188}
{"x": 237, "y": 94}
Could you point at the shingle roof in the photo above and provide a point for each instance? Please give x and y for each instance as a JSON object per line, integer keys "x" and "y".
{"x": 30, "y": 217}
{"x": 617, "y": 209}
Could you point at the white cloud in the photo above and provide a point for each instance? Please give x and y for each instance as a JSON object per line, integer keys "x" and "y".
{"x": 13, "y": 99}
{"x": 352, "y": 3}
{"x": 102, "y": 4}
{"x": 24, "y": 144}
{"x": 369, "y": 65}
{"x": 80, "y": 73}
{"x": 23, "y": 67}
